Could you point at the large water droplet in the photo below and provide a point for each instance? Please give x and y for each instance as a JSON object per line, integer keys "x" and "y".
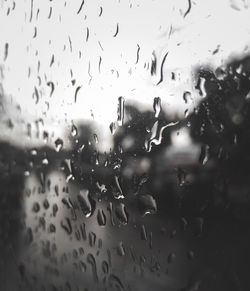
{"x": 156, "y": 134}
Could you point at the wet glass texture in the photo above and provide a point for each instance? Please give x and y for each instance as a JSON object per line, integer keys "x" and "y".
{"x": 124, "y": 145}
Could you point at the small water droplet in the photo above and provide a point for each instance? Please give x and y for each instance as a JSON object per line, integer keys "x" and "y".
{"x": 147, "y": 204}
{"x": 67, "y": 226}
{"x": 204, "y": 155}
{"x": 120, "y": 111}
{"x": 117, "y": 191}
{"x": 120, "y": 249}
{"x": 186, "y": 96}
{"x": 59, "y": 144}
{"x": 92, "y": 262}
{"x": 36, "y": 207}
{"x": 121, "y": 213}
{"x": 101, "y": 218}
{"x": 112, "y": 128}
{"x": 96, "y": 138}
{"x": 73, "y": 130}
{"x": 105, "y": 267}
{"x": 86, "y": 202}
{"x": 157, "y": 106}
{"x": 143, "y": 233}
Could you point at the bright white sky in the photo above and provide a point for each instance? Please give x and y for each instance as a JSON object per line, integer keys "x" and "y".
{"x": 146, "y": 23}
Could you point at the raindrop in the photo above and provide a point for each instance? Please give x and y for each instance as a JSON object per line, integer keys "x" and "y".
{"x": 204, "y": 155}
{"x": 95, "y": 138}
{"x": 101, "y": 218}
{"x": 112, "y": 127}
{"x": 120, "y": 250}
{"x": 143, "y": 233}
{"x": 46, "y": 204}
{"x": 52, "y": 228}
{"x": 67, "y": 227}
{"x": 117, "y": 191}
{"x": 92, "y": 238}
{"x": 120, "y": 111}
{"x": 36, "y": 207}
{"x": 121, "y": 213}
{"x": 105, "y": 267}
{"x": 147, "y": 204}
{"x": 157, "y": 106}
{"x": 110, "y": 210}
{"x": 186, "y": 96}
{"x": 156, "y": 135}
{"x": 59, "y": 144}
{"x": 85, "y": 202}
{"x": 92, "y": 262}
{"x": 73, "y": 130}
{"x": 114, "y": 281}
{"x": 83, "y": 266}
{"x": 6, "y": 50}
{"x": 54, "y": 209}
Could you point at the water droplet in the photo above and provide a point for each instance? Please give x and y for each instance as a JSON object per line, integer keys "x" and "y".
{"x": 73, "y": 130}
{"x": 120, "y": 249}
{"x": 96, "y": 138}
{"x": 101, "y": 218}
{"x": 86, "y": 202}
{"x": 59, "y": 144}
{"x": 143, "y": 233}
{"x": 201, "y": 87}
{"x": 83, "y": 266}
{"x": 46, "y": 204}
{"x": 54, "y": 209}
{"x": 105, "y": 267}
{"x": 52, "y": 228}
{"x": 204, "y": 155}
{"x": 120, "y": 111}
{"x": 67, "y": 227}
{"x": 121, "y": 213}
{"x": 110, "y": 210}
{"x": 156, "y": 135}
{"x": 92, "y": 238}
{"x": 117, "y": 191}
{"x": 147, "y": 204}
{"x": 112, "y": 128}
{"x": 115, "y": 282}
{"x": 36, "y": 207}
{"x": 186, "y": 96}
{"x": 92, "y": 262}
{"x": 157, "y": 106}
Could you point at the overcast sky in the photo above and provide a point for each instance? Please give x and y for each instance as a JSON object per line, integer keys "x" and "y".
{"x": 105, "y": 51}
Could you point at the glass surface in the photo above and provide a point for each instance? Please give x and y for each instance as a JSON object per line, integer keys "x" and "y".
{"x": 124, "y": 145}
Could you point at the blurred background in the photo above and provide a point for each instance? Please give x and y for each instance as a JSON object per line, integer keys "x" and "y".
{"x": 124, "y": 145}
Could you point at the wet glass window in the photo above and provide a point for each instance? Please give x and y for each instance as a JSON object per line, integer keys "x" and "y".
{"x": 124, "y": 145}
